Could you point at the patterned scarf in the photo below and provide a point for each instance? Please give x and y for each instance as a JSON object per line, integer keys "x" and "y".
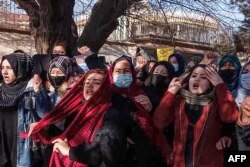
{"x": 22, "y": 67}
{"x": 65, "y": 64}
{"x": 88, "y": 120}
{"x": 197, "y": 99}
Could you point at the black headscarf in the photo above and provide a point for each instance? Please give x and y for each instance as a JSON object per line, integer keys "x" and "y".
{"x": 21, "y": 64}
{"x": 171, "y": 73}
{"x": 230, "y": 77}
{"x": 41, "y": 65}
{"x": 144, "y": 73}
{"x": 156, "y": 84}
{"x": 181, "y": 62}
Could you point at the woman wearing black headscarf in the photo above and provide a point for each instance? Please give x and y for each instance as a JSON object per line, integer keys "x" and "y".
{"x": 146, "y": 71}
{"x": 162, "y": 73}
{"x": 178, "y": 61}
{"x": 229, "y": 70}
{"x": 144, "y": 142}
{"x": 59, "y": 72}
{"x": 21, "y": 103}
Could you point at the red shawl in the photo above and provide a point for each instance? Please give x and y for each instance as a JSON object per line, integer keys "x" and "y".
{"x": 144, "y": 119}
{"x": 87, "y": 121}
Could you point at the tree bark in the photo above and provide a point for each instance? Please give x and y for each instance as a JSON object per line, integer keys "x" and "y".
{"x": 239, "y": 46}
{"x": 102, "y": 22}
{"x": 50, "y": 21}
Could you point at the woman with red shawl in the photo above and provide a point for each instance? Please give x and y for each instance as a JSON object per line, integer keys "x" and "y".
{"x": 96, "y": 136}
{"x": 131, "y": 102}
{"x": 146, "y": 146}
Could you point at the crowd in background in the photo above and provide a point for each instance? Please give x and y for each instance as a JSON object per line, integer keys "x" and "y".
{"x": 57, "y": 110}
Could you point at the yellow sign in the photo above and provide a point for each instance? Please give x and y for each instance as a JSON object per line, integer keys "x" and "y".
{"x": 164, "y": 53}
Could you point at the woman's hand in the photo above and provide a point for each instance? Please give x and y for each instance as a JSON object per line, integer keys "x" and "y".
{"x": 174, "y": 85}
{"x": 32, "y": 127}
{"x": 245, "y": 108}
{"x": 140, "y": 63}
{"x": 213, "y": 76}
{"x": 144, "y": 101}
{"x": 84, "y": 50}
{"x": 37, "y": 82}
{"x": 209, "y": 58}
{"x": 62, "y": 146}
{"x": 224, "y": 142}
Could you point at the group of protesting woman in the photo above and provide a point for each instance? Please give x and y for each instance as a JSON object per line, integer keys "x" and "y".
{"x": 55, "y": 111}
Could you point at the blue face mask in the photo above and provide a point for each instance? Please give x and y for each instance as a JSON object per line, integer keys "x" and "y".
{"x": 123, "y": 80}
{"x": 245, "y": 81}
{"x": 176, "y": 67}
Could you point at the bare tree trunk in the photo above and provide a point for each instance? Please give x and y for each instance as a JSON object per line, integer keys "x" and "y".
{"x": 102, "y": 22}
{"x": 50, "y": 21}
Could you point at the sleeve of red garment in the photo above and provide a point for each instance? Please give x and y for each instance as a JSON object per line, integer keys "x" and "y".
{"x": 164, "y": 113}
{"x": 228, "y": 110}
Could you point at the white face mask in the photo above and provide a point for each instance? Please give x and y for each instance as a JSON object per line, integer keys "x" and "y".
{"x": 245, "y": 80}
{"x": 176, "y": 67}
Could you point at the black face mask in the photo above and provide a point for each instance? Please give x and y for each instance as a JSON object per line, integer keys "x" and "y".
{"x": 57, "y": 81}
{"x": 159, "y": 81}
{"x": 228, "y": 75}
{"x": 142, "y": 75}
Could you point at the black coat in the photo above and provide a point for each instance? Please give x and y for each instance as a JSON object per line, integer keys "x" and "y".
{"x": 109, "y": 146}
{"x": 154, "y": 95}
{"x": 243, "y": 137}
{"x": 142, "y": 153}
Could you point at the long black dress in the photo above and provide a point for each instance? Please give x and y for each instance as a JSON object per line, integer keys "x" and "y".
{"x": 8, "y": 136}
